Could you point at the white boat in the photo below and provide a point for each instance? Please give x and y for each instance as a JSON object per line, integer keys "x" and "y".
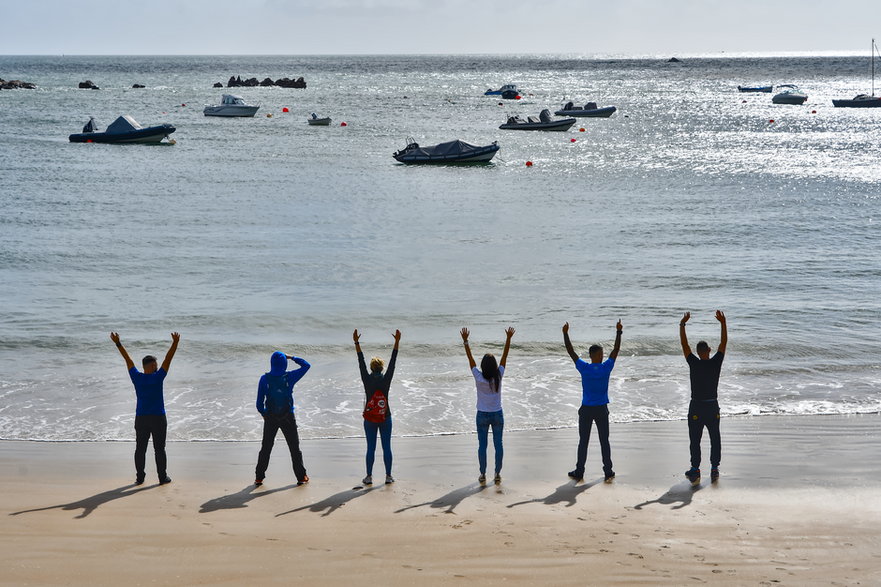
{"x": 232, "y": 106}
{"x": 502, "y": 90}
{"x": 315, "y": 121}
{"x": 790, "y": 94}
{"x": 862, "y": 100}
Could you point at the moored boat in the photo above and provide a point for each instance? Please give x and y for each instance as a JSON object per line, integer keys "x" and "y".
{"x": 543, "y": 122}
{"x": 790, "y": 94}
{"x": 504, "y": 88}
{"x": 450, "y": 152}
{"x": 124, "y": 129}
{"x": 232, "y": 106}
{"x": 755, "y": 89}
{"x": 315, "y": 121}
{"x": 863, "y": 100}
{"x": 590, "y": 110}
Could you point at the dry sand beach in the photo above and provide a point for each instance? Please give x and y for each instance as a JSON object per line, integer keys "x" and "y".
{"x": 798, "y": 503}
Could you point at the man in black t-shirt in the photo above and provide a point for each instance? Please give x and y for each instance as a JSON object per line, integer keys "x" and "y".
{"x": 703, "y": 410}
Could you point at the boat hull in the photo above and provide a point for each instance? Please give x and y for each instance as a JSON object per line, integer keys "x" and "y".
{"x": 593, "y": 113}
{"x": 231, "y": 111}
{"x": 556, "y": 125}
{"x": 483, "y": 156}
{"x": 789, "y": 99}
{"x": 872, "y": 103}
{"x": 318, "y": 121}
{"x": 755, "y": 89}
{"x": 149, "y": 135}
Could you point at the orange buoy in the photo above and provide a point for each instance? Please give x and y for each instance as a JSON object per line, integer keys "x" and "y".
{"x": 269, "y": 116}
{"x": 529, "y": 163}
{"x": 285, "y": 109}
{"x": 343, "y": 124}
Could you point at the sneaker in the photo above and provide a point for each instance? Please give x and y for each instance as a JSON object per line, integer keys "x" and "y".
{"x": 258, "y": 482}
{"x": 609, "y": 477}
{"x": 577, "y": 475}
{"x": 303, "y": 481}
{"x": 139, "y": 480}
{"x": 389, "y": 479}
{"x": 693, "y": 475}
{"x": 714, "y": 474}
{"x": 368, "y": 480}
{"x": 498, "y": 479}
{"x": 164, "y": 480}
{"x": 482, "y": 480}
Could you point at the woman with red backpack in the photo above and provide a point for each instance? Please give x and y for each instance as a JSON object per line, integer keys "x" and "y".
{"x": 488, "y": 380}
{"x": 377, "y": 416}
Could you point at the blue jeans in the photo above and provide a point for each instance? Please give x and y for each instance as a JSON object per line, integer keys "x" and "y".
{"x": 385, "y": 433}
{"x": 484, "y": 421}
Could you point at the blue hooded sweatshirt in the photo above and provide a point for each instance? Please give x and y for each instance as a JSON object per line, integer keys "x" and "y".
{"x": 278, "y": 364}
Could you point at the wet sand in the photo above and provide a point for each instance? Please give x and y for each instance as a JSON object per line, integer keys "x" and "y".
{"x": 799, "y": 502}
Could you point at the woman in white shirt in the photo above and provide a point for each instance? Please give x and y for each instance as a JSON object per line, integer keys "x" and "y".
{"x": 489, "y": 403}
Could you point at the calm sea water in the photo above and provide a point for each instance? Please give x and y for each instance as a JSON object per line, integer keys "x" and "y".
{"x": 255, "y": 234}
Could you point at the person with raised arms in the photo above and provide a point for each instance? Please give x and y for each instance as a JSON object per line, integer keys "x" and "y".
{"x": 377, "y": 415}
{"x": 150, "y": 418}
{"x": 703, "y": 409}
{"x": 594, "y": 401}
{"x": 488, "y": 379}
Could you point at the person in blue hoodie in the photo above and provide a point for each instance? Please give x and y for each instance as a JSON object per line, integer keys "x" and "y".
{"x": 275, "y": 402}
{"x": 150, "y": 419}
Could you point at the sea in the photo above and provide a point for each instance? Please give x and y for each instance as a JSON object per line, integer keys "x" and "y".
{"x": 256, "y": 234}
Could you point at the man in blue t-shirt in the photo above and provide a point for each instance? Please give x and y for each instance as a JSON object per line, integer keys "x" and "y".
{"x": 703, "y": 410}
{"x": 150, "y": 420}
{"x": 594, "y": 401}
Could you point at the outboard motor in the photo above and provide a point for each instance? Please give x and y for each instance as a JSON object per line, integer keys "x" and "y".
{"x": 545, "y": 115}
{"x": 91, "y": 126}
{"x": 590, "y": 106}
{"x": 568, "y": 106}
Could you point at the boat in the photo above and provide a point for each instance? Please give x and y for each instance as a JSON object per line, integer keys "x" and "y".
{"x": 451, "y": 152}
{"x": 755, "y": 89}
{"x": 862, "y": 100}
{"x": 590, "y": 110}
{"x": 791, "y": 94}
{"x": 504, "y": 88}
{"x": 543, "y": 122}
{"x": 315, "y": 121}
{"x": 231, "y": 106}
{"x": 124, "y": 129}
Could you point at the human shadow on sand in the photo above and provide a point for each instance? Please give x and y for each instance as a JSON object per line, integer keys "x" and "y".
{"x": 567, "y": 492}
{"x": 681, "y": 494}
{"x": 332, "y": 503}
{"x": 90, "y": 504}
{"x": 449, "y": 501}
{"x": 239, "y": 499}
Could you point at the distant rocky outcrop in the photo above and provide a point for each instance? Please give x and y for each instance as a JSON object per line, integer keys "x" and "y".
{"x": 88, "y": 85}
{"x": 16, "y": 84}
{"x": 238, "y": 82}
{"x": 218, "y": 85}
{"x": 138, "y": 86}
{"x": 674, "y": 60}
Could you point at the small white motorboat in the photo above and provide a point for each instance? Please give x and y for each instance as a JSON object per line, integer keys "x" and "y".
{"x": 232, "y": 106}
{"x": 315, "y": 121}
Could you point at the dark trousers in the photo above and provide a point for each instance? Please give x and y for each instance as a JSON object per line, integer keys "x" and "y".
{"x": 288, "y": 426}
{"x": 587, "y": 415}
{"x": 155, "y": 425}
{"x": 700, "y": 415}
{"x": 385, "y": 434}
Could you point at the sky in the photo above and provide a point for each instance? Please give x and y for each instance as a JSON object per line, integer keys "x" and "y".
{"x": 308, "y": 27}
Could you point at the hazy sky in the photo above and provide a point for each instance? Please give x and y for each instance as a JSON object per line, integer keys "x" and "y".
{"x": 634, "y": 27}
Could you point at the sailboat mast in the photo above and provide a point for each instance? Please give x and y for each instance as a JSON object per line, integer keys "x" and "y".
{"x": 873, "y": 66}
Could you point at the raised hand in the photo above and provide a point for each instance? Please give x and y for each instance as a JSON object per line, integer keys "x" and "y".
{"x": 464, "y": 332}
{"x": 619, "y": 327}
{"x": 114, "y": 336}
{"x": 355, "y": 335}
{"x": 685, "y": 317}
{"x": 566, "y": 328}
{"x": 720, "y": 316}
{"x": 175, "y": 337}
{"x": 397, "y": 336}
{"x": 509, "y": 332}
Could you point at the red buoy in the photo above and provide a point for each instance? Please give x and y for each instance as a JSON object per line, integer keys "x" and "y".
{"x": 581, "y": 129}
{"x": 813, "y": 111}
{"x": 571, "y": 140}
{"x": 343, "y": 124}
{"x": 529, "y": 163}
{"x": 285, "y": 109}
{"x": 183, "y": 104}
{"x": 771, "y": 121}
{"x": 516, "y": 97}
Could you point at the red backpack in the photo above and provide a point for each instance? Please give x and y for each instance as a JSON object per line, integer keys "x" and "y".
{"x": 377, "y": 408}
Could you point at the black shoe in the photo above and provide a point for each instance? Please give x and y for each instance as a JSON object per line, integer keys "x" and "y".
{"x": 577, "y": 475}
{"x": 139, "y": 480}
{"x": 164, "y": 480}
{"x": 258, "y": 481}
{"x": 609, "y": 477}
{"x": 693, "y": 475}
{"x": 714, "y": 474}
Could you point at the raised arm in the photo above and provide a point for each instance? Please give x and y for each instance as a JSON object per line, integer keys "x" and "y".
{"x": 175, "y": 338}
{"x": 114, "y": 336}
{"x": 683, "y": 338}
{"x": 464, "y": 332}
{"x": 362, "y": 367}
{"x": 509, "y": 333}
{"x": 618, "y": 330}
{"x": 723, "y": 343}
{"x": 390, "y": 370}
{"x": 568, "y": 343}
